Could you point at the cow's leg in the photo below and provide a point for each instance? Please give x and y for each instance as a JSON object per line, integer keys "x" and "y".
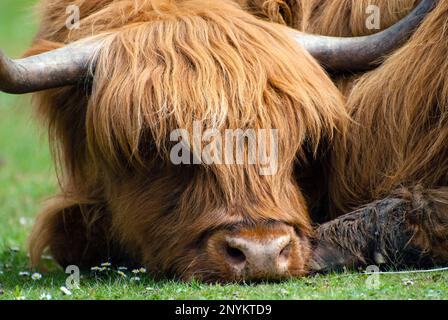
{"x": 408, "y": 229}
{"x": 75, "y": 234}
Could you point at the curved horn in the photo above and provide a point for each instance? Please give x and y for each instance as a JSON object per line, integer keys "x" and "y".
{"x": 70, "y": 64}
{"x": 363, "y": 53}
{"x": 52, "y": 69}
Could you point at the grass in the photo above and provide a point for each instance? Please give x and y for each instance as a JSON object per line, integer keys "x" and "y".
{"x": 27, "y": 178}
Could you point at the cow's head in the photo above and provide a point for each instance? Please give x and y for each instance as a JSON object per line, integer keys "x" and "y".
{"x": 216, "y": 70}
{"x": 199, "y": 65}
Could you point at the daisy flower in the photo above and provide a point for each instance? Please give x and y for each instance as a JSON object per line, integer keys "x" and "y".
{"x": 122, "y": 274}
{"x": 66, "y": 291}
{"x": 45, "y": 296}
{"x": 36, "y": 276}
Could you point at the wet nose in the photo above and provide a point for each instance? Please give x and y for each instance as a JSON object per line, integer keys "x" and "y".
{"x": 259, "y": 258}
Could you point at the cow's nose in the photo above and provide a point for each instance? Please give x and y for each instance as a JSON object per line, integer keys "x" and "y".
{"x": 259, "y": 258}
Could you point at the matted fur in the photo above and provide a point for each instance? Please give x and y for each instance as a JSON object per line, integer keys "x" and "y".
{"x": 163, "y": 65}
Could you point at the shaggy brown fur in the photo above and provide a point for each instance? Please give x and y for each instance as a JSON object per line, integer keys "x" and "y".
{"x": 164, "y": 64}
{"x": 401, "y": 121}
{"x": 342, "y": 18}
{"x": 170, "y": 59}
{"x": 400, "y": 110}
{"x": 400, "y": 133}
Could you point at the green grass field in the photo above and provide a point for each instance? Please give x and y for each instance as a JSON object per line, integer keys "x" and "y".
{"x": 27, "y": 178}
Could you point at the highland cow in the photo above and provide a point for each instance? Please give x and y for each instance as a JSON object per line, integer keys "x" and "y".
{"x": 115, "y": 89}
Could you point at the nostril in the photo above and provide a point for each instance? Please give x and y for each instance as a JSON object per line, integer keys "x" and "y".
{"x": 235, "y": 255}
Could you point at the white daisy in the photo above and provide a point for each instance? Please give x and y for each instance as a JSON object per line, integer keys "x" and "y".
{"x": 45, "y": 296}
{"x": 122, "y": 274}
{"x": 36, "y": 276}
{"x": 66, "y": 291}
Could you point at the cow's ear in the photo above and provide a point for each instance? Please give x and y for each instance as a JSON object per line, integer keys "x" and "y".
{"x": 75, "y": 234}
{"x": 40, "y": 46}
